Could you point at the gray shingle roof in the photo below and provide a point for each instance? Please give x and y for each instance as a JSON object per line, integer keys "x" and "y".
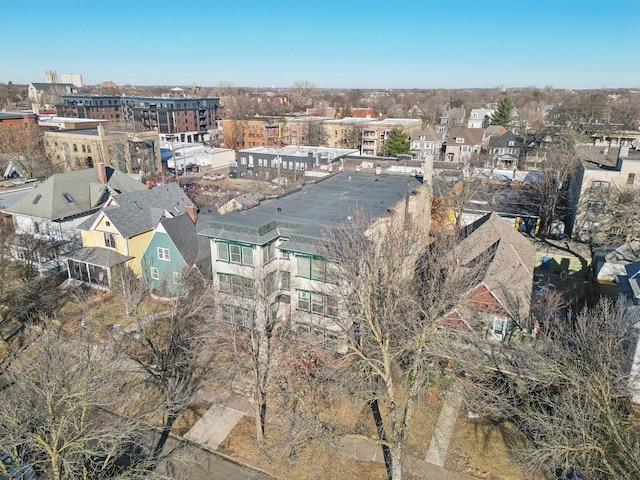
{"x": 102, "y": 257}
{"x": 83, "y": 189}
{"x": 137, "y": 212}
{"x": 504, "y": 139}
{"x": 509, "y": 273}
{"x": 194, "y": 249}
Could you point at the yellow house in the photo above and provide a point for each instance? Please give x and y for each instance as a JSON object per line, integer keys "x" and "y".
{"x": 120, "y": 232}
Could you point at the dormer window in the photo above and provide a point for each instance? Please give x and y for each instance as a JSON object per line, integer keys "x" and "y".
{"x": 511, "y": 143}
{"x": 459, "y": 139}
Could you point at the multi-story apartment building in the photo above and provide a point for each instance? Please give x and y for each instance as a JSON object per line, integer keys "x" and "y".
{"x": 83, "y": 148}
{"x": 344, "y": 132}
{"x": 374, "y": 133}
{"x": 188, "y": 117}
{"x": 252, "y": 132}
{"x": 267, "y": 261}
{"x": 287, "y": 163}
{"x": 14, "y": 122}
{"x": 601, "y": 169}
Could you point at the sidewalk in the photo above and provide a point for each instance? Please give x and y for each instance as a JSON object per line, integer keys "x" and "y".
{"x": 227, "y": 410}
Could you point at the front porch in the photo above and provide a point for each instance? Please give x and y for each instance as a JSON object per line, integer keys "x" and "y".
{"x": 92, "y": 266}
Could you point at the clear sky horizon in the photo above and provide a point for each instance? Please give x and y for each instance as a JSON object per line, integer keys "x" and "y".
{"x": 333, "y": 44}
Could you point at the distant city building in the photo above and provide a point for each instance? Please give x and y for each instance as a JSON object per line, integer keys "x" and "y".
{"x": 74, "y": 78}
{"x": 108, "y": 84}
{"x": 188, "y": 117}
{"x": 51, "y": 76}
{"x": 43, "y": 94}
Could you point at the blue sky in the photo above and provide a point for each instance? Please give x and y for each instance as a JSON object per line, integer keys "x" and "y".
{"x": 331, "y": 43}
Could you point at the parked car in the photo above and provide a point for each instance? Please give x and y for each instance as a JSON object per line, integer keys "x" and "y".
{"x": 213, "y": 176}
{"x": 13, "y": 470}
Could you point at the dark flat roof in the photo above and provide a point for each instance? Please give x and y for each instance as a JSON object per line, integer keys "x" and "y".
{"x": 307, "y": 212}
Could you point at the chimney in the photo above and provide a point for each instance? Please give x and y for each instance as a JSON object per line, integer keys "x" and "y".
{"x": 101, "y": 170}
{"x": 624, "y": 151}
{"x": 100, "y": 130}
{"x": 191, "y": 210}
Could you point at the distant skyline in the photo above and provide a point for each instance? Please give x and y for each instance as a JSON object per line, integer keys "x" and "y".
{"x": 332, "y": 44}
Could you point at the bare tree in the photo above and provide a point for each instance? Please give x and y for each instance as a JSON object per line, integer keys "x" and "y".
{"x": 303, "y": 93}
{"x": 54, "y": 414}
{"x": 552, "y": 188}
{"x": 614, "y": 214}
{"x": 25, "y": 148}
{"x": 316, "y": 134}
{"x": 568, "y": 393}
{"x": 169, "y": 350}
{"x": 393, "y": 294}
{"x": 251, "y": 329}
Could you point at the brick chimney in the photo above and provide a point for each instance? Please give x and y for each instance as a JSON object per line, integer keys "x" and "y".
{"x": 192, "y": 211}
{"x": 101, "y": 170}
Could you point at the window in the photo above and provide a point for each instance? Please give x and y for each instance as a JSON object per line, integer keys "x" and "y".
{"x": 177, "y": 278}
{"x": 315, "y": 269}
{"x": 595, "y": 206}
{"x": 75, "y": 147}
{"x": 236, "y": 285}
{"x": 285, "y": 280}
{"x": 68, "y": 197}
{"x": 84, "y": 149}
{"x": 36, "y": 199}
{"x": 326, "y": 338}
{"x": 499, "y": 328}
{"x": 270, "y": 283}
{"x": 465, "y": 149}
{"x": 155, "y": 273}
{"x": 511, "y": 143}
{"x": 238, "y": 316}
{"x": 267, "y": 252}
{"x": 318, "y": 303}
{"x": 163, "y": 254}
{"x": 243, "y": 160}
{"x": 235, "y": 253}
{"x": 591, "y": 226}
{"x": 631, "y": 179}
{"x": 600, "y": 185}
{"x": 109, "y": 240}
{"x": 284, "y": 254}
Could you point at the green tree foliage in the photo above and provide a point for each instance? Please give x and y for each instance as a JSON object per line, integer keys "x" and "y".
{"x": 397, "y": 143}
{"x": 502, "y": 116}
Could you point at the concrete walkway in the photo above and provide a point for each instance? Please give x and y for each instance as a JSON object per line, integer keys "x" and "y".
{"x": 227, "y": 410}
{"x": 439, "y": 444}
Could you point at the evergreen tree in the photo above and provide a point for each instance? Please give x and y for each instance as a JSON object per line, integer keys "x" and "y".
{"x": 397, "y": 143}
{"x": 502, "y": 116}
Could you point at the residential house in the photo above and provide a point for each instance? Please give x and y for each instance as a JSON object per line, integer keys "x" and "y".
{"x": 278, "y": 244}
{"x": 452, "y": 117}
{"x": 462, "y": 144}
{"x": 128, "y": 152}
{"x": 600, "y": 169}
{"x": 53, "y": 210}
{"x": 426, "y": 145}
{"x": 175, "y": 249}
{"x": 505, "y": 150}
{"x": 120, "y": 232}
{"x": 499, "y": 305}
{"x": 480, "y": 117}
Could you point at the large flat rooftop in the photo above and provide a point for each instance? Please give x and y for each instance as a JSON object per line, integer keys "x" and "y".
{"x": 309, "y": 211}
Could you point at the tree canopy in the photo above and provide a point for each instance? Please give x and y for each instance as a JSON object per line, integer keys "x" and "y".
{"x": 397, "y": 143}
{"x": 502, "y": 116}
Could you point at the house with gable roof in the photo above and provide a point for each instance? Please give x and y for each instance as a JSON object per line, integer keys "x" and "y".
{"x": 499, "y": 304}
{"x": 462, "y": 144}
{"x": 176, "y": 248}
{"x": 52, "y": 212}
{"x": 505, "y": 149}
{"x": 120, "y": 232}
